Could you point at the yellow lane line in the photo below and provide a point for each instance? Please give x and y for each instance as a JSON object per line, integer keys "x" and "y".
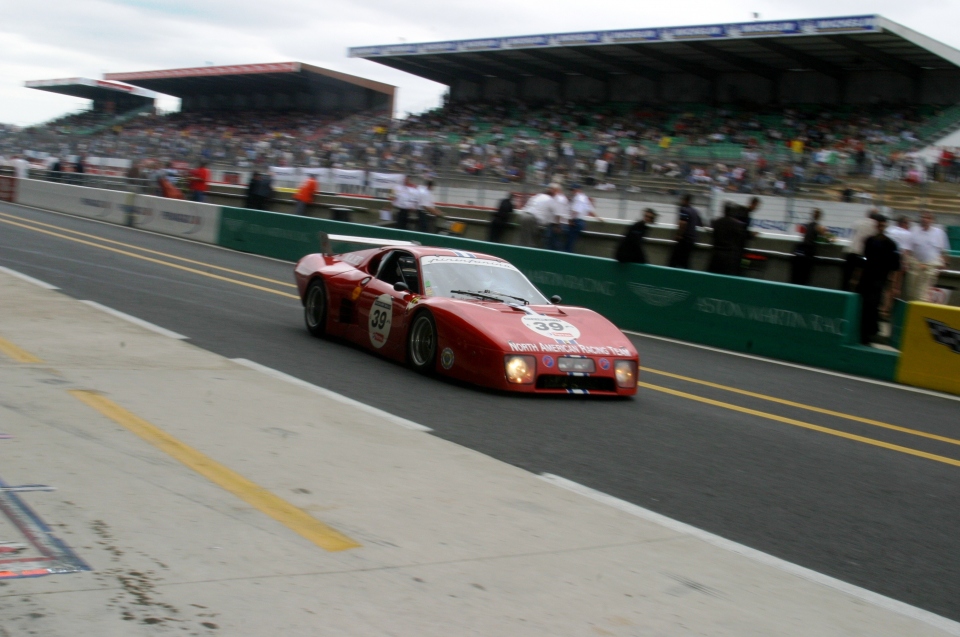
{"x": 152, "y": 260}
{"x": 149, "y": 251}
{"x": 10, "y": 350}
{"x": 256, "y": 496}
{"x": 805, "y": 425}
{"x": 819, "y": 410}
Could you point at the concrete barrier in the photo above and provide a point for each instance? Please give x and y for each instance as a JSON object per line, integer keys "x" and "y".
{"x": 92, "y": 203}
{"x": 196, "y": 221}
{"x": 930, "y": 347}
{"x": 187, "y": 219}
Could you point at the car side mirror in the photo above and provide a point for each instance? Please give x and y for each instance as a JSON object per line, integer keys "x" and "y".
{"x": 555, "y": 299}
{"x": 400, "y": 286}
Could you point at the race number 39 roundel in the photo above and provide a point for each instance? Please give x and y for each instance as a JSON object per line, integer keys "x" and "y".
{"x": 381, "y": 317}
{"x": 551, "y": 327}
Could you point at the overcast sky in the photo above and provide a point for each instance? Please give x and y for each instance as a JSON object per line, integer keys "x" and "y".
{"x": 47, "y": 39}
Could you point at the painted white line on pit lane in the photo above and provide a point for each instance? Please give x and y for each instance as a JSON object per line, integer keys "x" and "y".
{"x": 947, "y": 625}
{"x": 872, "y": 381}
{"x": 28, "y": 279}
{"x": 326, "y": 393}
{"x": 133, "y": 319}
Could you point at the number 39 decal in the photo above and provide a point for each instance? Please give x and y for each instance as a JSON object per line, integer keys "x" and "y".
{"x": 551, "y": 327}
{"x": 381, "y": 318}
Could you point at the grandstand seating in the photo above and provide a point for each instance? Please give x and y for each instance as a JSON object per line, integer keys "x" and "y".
{"x": 734, "y": 147}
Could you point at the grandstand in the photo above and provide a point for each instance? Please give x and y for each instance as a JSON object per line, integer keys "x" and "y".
{"x": 846, "y": 60}
{"x": 278, "y": 87}
{"x": 108, "y": 101}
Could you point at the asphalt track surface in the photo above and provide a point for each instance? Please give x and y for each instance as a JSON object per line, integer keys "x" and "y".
{"x": 874, "y": 506}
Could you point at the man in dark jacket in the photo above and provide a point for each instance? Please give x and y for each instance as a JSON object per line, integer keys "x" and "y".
{"x": 688, "y": 220}
{"x": 631, "y": 249}
{"x": 729, "y": 238}
{"x": 259, "y": 191}
{"x": 881, "y": 258}
{"x": 501, "y": 218}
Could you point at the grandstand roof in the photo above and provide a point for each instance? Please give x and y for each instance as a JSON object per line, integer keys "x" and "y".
{"x": 86, "y": 88}
{"x": 278, "y": 76}
{"x": 833, "y": 47}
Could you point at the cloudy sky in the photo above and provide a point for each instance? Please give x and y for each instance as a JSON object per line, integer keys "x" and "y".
{"x": 46, "y": 39}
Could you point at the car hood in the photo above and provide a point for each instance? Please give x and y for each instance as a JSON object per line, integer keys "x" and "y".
{"x": 543, "y": 328}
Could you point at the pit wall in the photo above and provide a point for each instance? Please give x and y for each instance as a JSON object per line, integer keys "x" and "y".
{"x": 806, "y": 325}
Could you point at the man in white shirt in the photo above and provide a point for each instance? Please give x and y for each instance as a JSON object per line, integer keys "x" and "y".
{"x": 928, "y": 255}
{"x": 557, "y": 228}
{"x": 21, "y": 167}
{"x": 853, "y": 252}
{"x": 580, "y": 208}
{"x": 900, "y": 233}
{"x": 427, "y": 206}
{"x": 537, "y": 215}
{"x": 406, "y": 199}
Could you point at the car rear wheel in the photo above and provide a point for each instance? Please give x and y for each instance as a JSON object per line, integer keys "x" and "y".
{"x": 315, "y": 308}
{"x": 422, "y": 343}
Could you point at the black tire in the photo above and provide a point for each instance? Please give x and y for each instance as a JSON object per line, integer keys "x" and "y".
{"x": 422, "y": 343}
{"x": 315, "y": 308}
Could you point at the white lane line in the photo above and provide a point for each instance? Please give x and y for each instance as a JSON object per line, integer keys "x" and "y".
{"x": 136, "y": 321}
{"x": 28, "y": 279}
{"x": 948, "y": 625}
{"x": 862, "y": 379}
{"x": 326, "y": 393}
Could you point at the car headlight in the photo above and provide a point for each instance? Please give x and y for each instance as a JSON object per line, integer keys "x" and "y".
{"x": 520, "y": 369}
{"x": 626, "y": 373}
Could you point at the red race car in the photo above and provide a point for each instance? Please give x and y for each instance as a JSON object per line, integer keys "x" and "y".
{"x": 465, "y": 315}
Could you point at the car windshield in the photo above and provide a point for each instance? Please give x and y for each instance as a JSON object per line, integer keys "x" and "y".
{"x": 442, "y": 276}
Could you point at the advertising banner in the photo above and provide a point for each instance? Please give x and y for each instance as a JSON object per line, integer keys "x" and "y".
{"x": 930, "y": 347}
{"x": 815, "y": 26}
{"x": 385, "y": 181}
{"x": 343, "y": 177}
{"x": 103, "y": 205}
{"x": 187, "y": 219}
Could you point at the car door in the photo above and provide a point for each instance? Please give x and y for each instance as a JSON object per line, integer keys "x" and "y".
{"x": 382, "y": 309}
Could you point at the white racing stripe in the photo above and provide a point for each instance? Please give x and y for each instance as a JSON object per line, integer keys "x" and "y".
{"x": 326, "y": 393}
{"x": 862, "y": 379}
{"x": 28, "y": 279}
{"x": 947, "y": 625}
{"x": 133, "y": 319}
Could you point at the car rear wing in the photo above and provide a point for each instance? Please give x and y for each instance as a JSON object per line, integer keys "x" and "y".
{"x": 332, "y": 244}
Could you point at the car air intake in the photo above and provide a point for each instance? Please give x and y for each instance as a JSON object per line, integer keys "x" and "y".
{"x": 589, "y": 383}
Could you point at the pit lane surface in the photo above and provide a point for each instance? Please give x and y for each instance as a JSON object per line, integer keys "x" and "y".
{"x": 856, "y": 480}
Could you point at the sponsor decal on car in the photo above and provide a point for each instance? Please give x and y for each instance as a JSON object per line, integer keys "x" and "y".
{"x": 569, "y": 348}
{"x": 547, "y": 361}
{"x": 604, "y": 364}
{"x": 465, "y": 260}
{"x": 446, "y": 358}
{"x": 381, "y": 319}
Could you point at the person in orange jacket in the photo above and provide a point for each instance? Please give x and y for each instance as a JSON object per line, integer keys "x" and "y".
{"x": 305, "y": 194}
{"x": 199, "y": 182}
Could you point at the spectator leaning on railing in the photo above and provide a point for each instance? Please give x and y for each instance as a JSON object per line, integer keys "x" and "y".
{"x": 305, "y": 193}
{"x": 928, "y": 247}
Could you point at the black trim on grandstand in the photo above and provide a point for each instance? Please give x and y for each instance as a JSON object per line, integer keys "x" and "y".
{"x": 281, "y": 86}
{"x": 850, "y": 60}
